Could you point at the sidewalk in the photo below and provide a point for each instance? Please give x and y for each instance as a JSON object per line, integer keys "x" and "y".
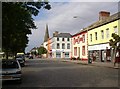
{"x": 98, "y": 64}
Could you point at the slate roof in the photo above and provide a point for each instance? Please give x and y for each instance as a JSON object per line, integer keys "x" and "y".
{"x": 111, "y": 18}
{"x": 67, "y": 35}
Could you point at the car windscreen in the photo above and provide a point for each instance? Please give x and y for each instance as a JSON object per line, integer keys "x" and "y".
{"x": 9, "y": 64}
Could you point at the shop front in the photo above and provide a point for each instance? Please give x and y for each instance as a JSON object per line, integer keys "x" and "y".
{"x": 101, "y": 52}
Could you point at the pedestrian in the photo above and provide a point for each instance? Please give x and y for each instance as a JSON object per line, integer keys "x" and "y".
{"x": 117, "y": 58}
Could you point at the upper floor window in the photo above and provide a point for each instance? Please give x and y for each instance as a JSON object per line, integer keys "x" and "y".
{"x": 58, "y": 46}
{"x": 91, "y": 37}
{"x": 68, "y": 39}
{"x": 57, "y": 39}
{"x": 102, "y": 34}
{"x": 115, "y": 29}
{"x": 68, "y": 46}
{"x": 96, "y": 36}
{"x": 63, "y": 39}
{"x": 107, "y": 33}
{"x": 63, "y": 46}
{"x": 83, "y": 36}
{"x": 74, "y": 41}
{"x": 78, "y": 41}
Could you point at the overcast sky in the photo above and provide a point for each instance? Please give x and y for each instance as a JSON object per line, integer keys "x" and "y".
{"x": 60, "y": 18}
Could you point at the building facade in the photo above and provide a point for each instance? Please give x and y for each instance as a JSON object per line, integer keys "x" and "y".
{"x": 99, "y": 35}
{"x": 60, "y": 45}
{"x": 79, "y": 45}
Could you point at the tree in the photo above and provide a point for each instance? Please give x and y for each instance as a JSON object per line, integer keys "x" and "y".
{"x": 17, "y": 23}
{"x": 42, "y": 50}
{"x": 115, "y": 44}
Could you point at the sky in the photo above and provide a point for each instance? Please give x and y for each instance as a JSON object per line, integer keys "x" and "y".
{"x": 61, "y": 18}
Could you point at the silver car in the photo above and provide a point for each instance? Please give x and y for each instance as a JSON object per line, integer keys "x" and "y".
{"x": 11, "y": 70}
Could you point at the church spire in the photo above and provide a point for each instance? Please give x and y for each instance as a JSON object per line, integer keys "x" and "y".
{"x": 46, "y": 34}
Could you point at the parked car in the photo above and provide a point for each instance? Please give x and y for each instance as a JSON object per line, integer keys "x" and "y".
{"x": 21, "y": 60}
{"x": 11, "y": 70}
{"x": 22, "y": 55}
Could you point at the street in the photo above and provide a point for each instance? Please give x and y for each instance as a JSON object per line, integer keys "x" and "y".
{"x": 56, "y": 73}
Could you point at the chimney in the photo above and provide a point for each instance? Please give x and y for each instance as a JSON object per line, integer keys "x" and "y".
{"x": 55, "y": 33}
{"x": 103, "y": 15}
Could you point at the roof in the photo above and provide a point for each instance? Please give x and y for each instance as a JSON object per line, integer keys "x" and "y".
{"x": 67, "y": 35}
{"x": 81, "y": 31}
{"x": 111, "y": 18}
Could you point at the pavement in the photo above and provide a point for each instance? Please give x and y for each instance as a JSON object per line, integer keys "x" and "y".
{"x": 97, "y": 64}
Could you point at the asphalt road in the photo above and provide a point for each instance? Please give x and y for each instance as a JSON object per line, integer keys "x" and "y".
{"x": 55, "y": 73}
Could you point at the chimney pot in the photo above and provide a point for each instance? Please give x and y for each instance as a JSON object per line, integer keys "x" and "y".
{"x": 103, "y": 15}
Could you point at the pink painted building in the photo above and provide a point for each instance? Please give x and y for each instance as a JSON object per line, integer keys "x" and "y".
{"x": 80, "y": 45}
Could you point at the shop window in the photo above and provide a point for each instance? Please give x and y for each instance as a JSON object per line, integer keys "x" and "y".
{"x": 75, "y": 51}
{"x": 58, "y": 55}
{"x": 83, "y": 50}
{"x": 66, "y": 54}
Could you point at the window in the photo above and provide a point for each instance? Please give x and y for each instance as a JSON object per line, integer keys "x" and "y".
{"x": 115, "y": 29}
{"x": 83, "y": 36}
{"x": 74, "y": 41}
{"x": 96, "y": 36}
{"x": 68, "y": 45}
{"x": 63, "y": 39}
{"x": 66, "y": 54}
{"x": 58, "y": 55}
{"x": 57, "y": 39}
{"x": 91, "y": 37}
{"x": 68, "y": 39}
{"x": 53, "y": 46}
{"x": 102, "y": 34}
{"x": 78, "y": 41}
{"x": 58, "y": 46}
{"x": 75, "y": 51}
{"x": 83, "y": 50}
{"x": 107, "y": 33}
{"x": 63, "y": 46}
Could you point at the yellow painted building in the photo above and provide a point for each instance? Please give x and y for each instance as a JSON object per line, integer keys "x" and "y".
{"x": 99, "y": 35}
{"x": 103, "y": 33}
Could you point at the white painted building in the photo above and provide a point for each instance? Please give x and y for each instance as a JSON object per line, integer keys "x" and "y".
{"x": 61, "y": 45}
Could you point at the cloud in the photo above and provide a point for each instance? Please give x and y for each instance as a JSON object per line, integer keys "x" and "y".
{"x": 60, "y": 18}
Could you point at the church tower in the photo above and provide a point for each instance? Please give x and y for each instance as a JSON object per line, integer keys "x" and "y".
{"x": 46, "y": 37}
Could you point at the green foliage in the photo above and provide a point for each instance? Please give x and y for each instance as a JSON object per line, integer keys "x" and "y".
{"x": 17, "y": 23}
{"x": 113, "y": 42}
{"x": 42, "y": 50}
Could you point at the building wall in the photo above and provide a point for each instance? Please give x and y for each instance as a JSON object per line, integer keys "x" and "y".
{"x": 99, "y": 40}
{"x": 78, "y": 46}
{"x": 63, "y": 52}
{"x": 99, "y": 50}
